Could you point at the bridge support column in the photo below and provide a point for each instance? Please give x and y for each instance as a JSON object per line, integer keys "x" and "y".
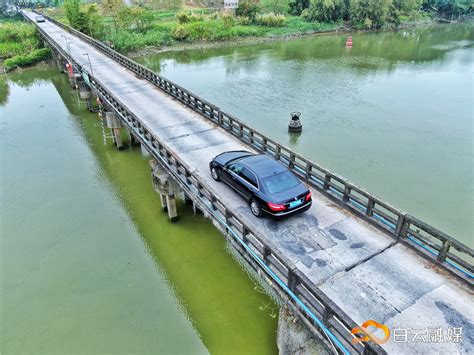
{"x": 166, "y": 187}
{"x": 133, "y": 141}
{"x": 59, "y": 62}
{"x": 112, "y": 122}
{"x": 187, "y": 200}
{"x": 85, "y": 92}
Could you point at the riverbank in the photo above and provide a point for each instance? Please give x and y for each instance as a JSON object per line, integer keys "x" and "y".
{"x": 243, "y": 41}
{"x": 20, "y": 45}
{"x": 143, "y": 29}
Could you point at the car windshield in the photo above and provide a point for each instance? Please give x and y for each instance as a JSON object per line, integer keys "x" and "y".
{"x": 280, "y": 182}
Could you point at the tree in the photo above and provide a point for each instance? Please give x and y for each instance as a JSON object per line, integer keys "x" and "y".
{"x": 327, "y": 10}
{"x": 297, "y": 6}
{"x": 95, "y": 27}
{"x": 112, "y": 8}
{"x": 76, "y": 17}
{"x": 248, "y": 8}
{"x": 370, "y": 14}
{"x": 407, "y": 6}
{"x": 135, "y": 17}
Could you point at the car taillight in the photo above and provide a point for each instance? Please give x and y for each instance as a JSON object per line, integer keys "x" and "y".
{"x": 308, "y": 196}
{"x": 276, "y": 207}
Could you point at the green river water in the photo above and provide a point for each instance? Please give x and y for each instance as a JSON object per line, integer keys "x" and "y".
{"x": 88, "y": 262}
{"x": 394, "y": 113}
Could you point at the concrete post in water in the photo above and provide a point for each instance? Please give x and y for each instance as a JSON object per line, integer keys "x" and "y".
{"x": 166, "y": 187}
{"x": 113, "y": 122}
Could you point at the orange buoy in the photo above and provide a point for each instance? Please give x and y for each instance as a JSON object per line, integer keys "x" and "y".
{"x": 349, "y": 42}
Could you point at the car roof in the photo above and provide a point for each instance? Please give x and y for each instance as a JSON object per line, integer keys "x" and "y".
{"x": 262, "y": 165}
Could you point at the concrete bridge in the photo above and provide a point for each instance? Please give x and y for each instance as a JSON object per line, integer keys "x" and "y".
{"x": 351, "y": 258}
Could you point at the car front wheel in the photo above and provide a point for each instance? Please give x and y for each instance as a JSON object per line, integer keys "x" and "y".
{"x": 215, "y": 174}
{"x": 255, "y": 208}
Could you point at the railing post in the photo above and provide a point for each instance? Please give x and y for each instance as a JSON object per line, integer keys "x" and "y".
{"x": 402, "y": 226}
{"x": 213, "y": 202}
{"x": 327, "y": 180}
{"x": 264, "y": 144}
{"x": 292, "y": 280}
{"x": 308, "y": 170}
{"x": 370, "y": 207}
{"x": 326, "y": 315}
{"x": 291, "y": 163}
{"x": 245, "y": 231}
{"x": 347, "y": 192}
{"x": 266, "y": 252}
{"x": 220, "y": 119}
{"x": 443, "y": 252}
{"x": 199, "y": 187}
{"x": 277, "y": 151}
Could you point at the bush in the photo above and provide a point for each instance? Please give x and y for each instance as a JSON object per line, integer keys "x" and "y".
{"x": 270, "y": 20}
{"x": 212, "y": 30}
{"x": 27, "y": 59}
{"x": 187, "y": 16}
{"x": 183, "y": 17}
{"x": 125, "y": 40}
{"x": 244, "y": 21}
{"x": 180, "y": 33}
{"x": 228, "y": 18}
{"x": 248, "y": 8}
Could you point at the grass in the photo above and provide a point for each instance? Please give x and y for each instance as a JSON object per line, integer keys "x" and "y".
{"x": 19, "y": 44}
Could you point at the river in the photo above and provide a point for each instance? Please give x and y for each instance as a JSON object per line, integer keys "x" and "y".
{"x": 394, "y": 113}
{"x": 88, "y": 262}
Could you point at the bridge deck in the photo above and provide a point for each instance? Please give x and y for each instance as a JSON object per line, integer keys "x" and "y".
{"x": 357, "y": 265}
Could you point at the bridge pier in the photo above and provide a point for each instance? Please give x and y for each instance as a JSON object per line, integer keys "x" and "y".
{"x": 59, "y": 62}
{"x": 165, "y": 186}
{"x": 134, "y": 142}
{"x": 112, "y": 122}
{"x": 85, "y": 92}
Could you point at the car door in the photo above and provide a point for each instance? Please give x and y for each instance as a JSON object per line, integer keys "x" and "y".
{"x": 231, "y": 175}
{"x": 249, "y": 182}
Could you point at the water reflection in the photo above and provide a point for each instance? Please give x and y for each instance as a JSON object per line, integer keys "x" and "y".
{"x": 391, "y": 113}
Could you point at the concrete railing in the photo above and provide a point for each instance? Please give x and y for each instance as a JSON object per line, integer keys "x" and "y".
{"x": 424, "y": 238}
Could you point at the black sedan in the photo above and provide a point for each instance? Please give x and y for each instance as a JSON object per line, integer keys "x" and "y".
{"x": 268, "y": 186}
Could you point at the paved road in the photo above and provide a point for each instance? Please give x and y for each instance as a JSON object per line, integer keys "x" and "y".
{"x": 384, "y": 281}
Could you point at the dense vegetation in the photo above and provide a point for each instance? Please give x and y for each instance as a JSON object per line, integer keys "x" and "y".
{"x": 20, "y": 44}
{"x": 128, "y": 28}
{"x": 375, "y": 14}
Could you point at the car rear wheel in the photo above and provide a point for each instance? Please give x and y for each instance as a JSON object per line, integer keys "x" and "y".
{"x": 255, "y": 208}
{"x": 215, "y": 174}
